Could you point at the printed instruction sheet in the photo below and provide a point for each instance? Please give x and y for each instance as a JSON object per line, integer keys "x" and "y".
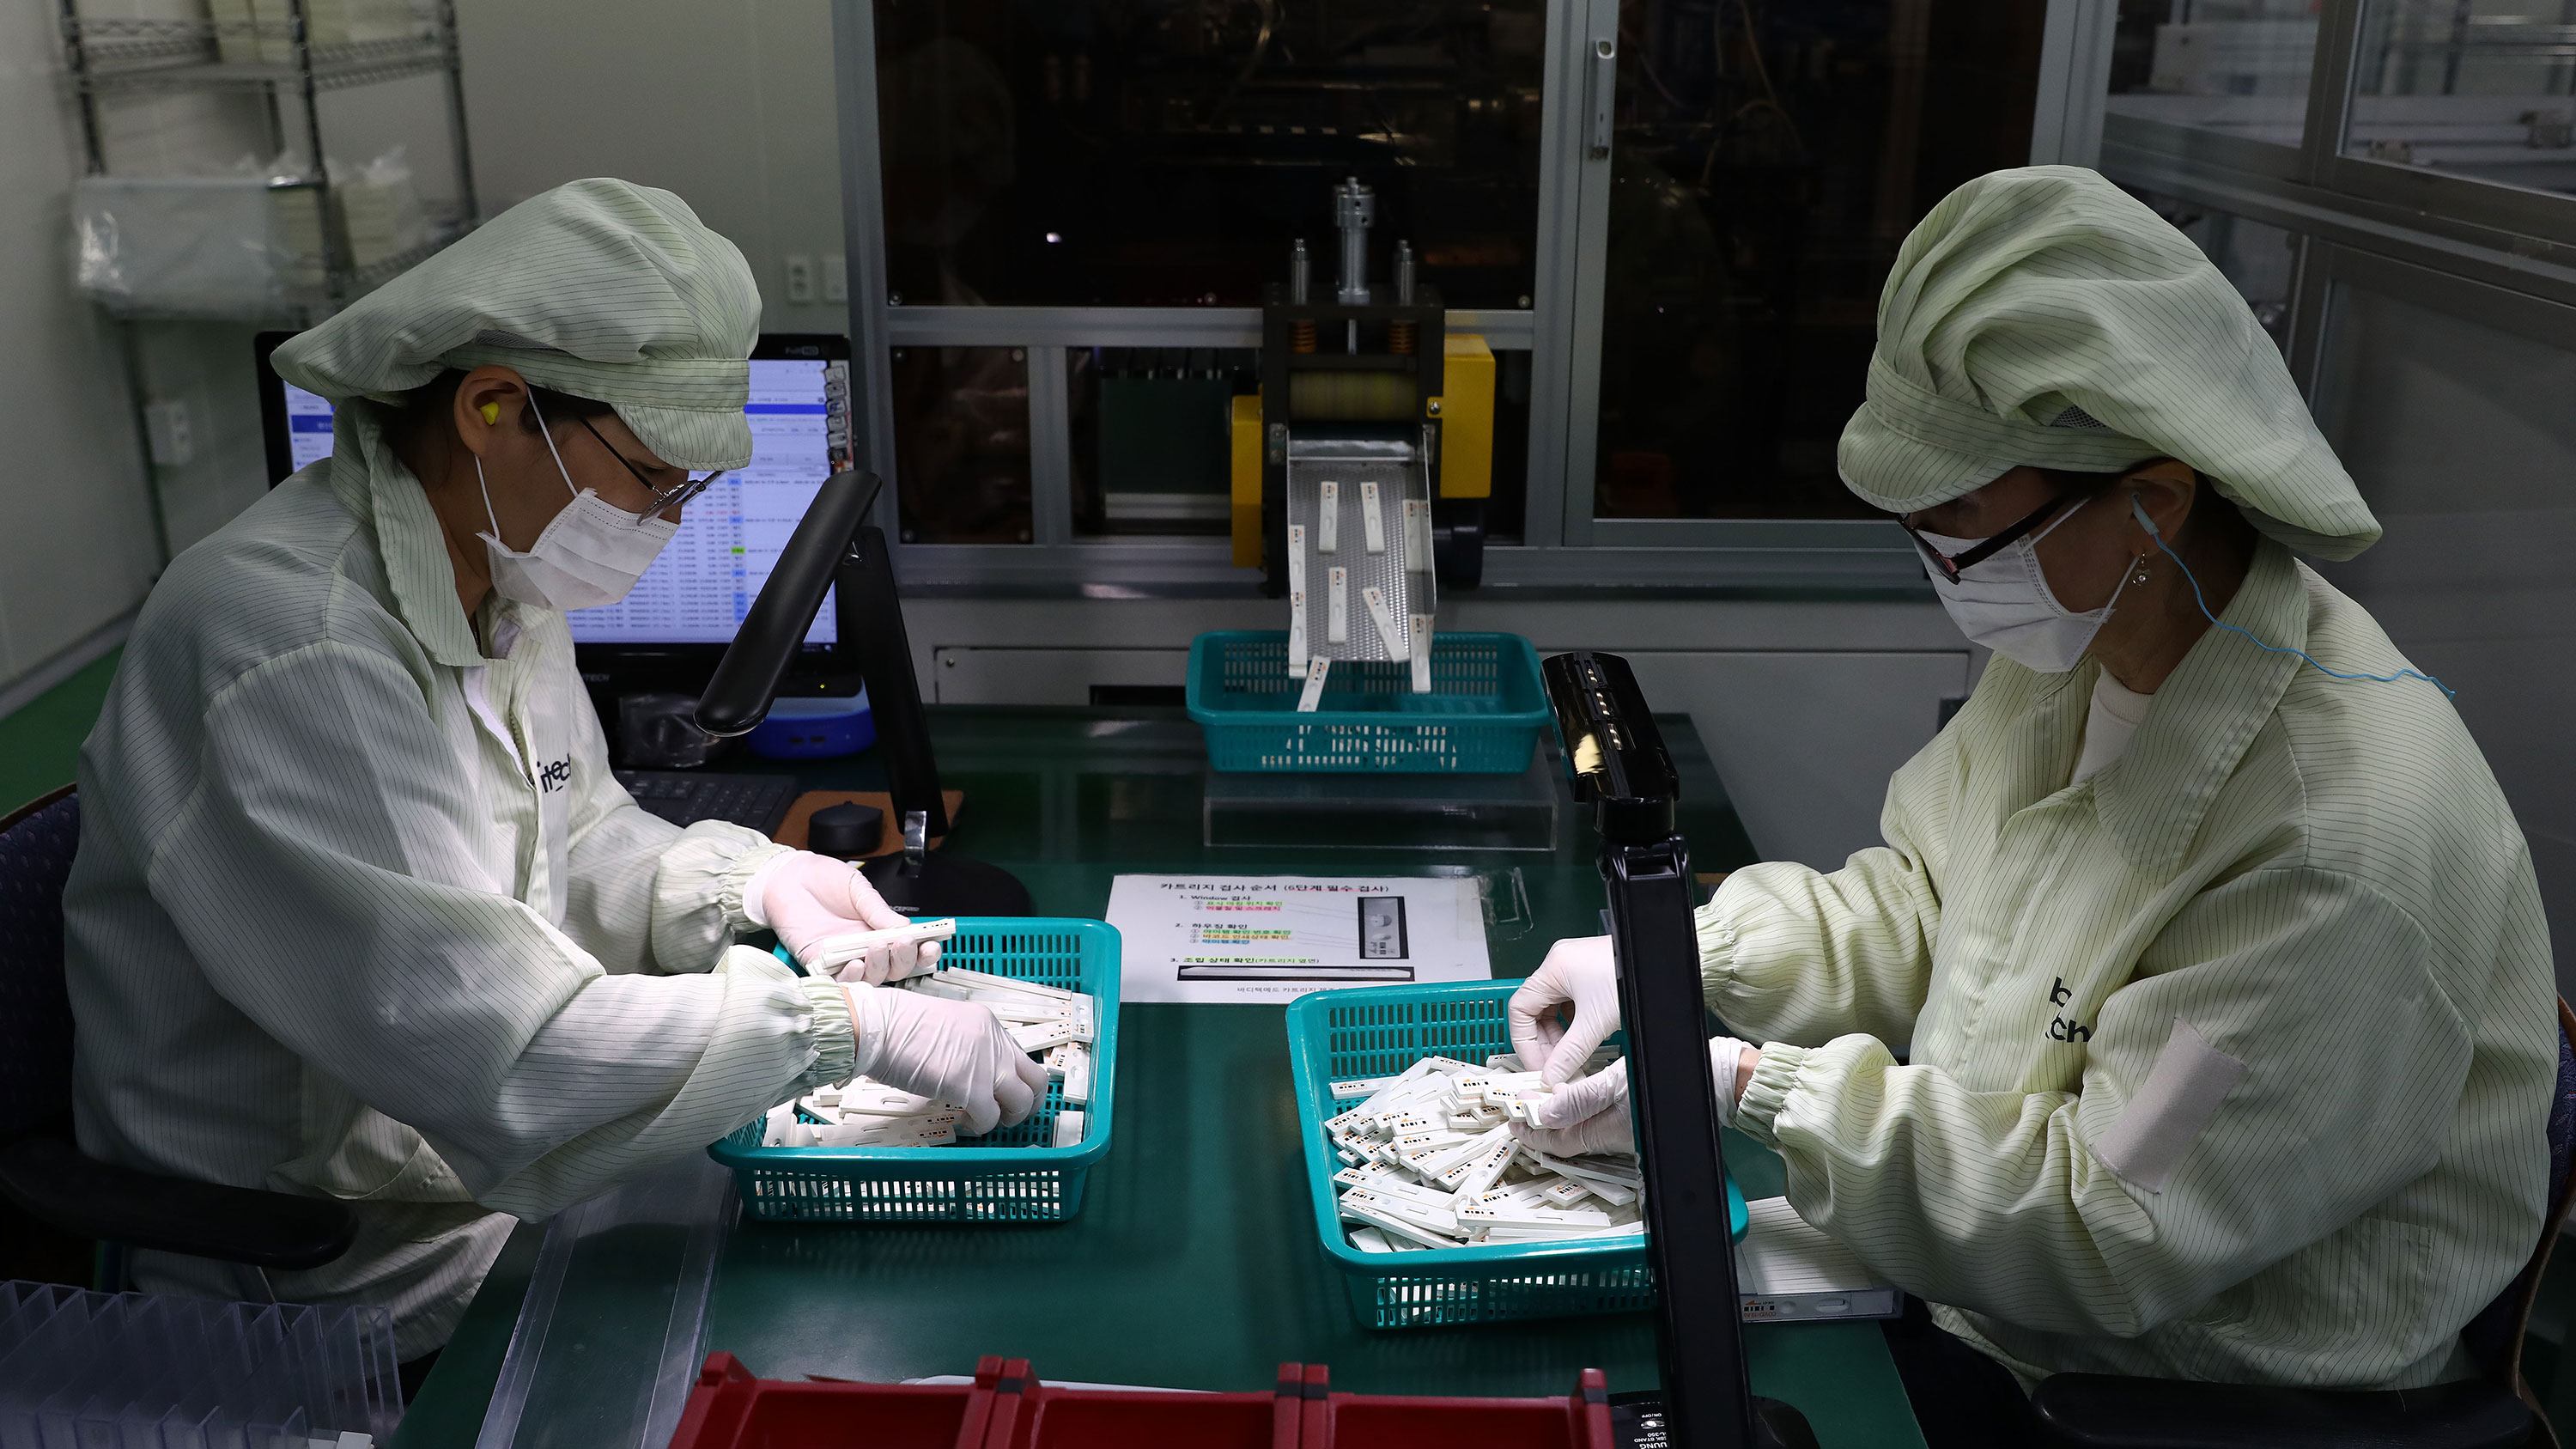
{"x": 1219, "y": 938}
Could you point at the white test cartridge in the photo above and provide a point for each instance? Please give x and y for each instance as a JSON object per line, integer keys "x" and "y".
{"x": 1370, "y": 1240}
{"x": 1394, "y": 1227}
{"x": 1469, "y": 1179}
{"x": 773, "y": 1130}
{"x": 1417, "y": 533}
{"x": 1076, "y": 1087}
{"x": 864, "y": 1098}
{"x": 978, "y": 983}
{"x": 1337, "y": 605}
{"x": 1361, "y": 1089}
{"x": 1421, "y": 655}
{"x": 1054, "y": 1060}
{"x": 833, "y": 952}
{"x": 1565, "y": 1193}
{"x": 1507, "y": 1216}
{"x": 935, "y": 1131}
{"x": 1068, "y": 1128}
{"x": 1372, "y": 518}
{"x": 1037, "y": 1036}
{"x": 1384, "y": 621}
{"x": 1317, "y": 668}
{"x": 1328, "y": 518}
{"x": 1296, "y": 599}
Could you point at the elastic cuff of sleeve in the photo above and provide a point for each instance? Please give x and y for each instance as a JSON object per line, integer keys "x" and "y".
{"x": 739, "y": 883}
{"x": 1716, "y": 949}
{"x": 836, "y": 1047}
{"x": 1773, "y": 1076}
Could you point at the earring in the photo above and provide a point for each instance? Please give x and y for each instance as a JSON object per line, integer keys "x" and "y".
{"x": 491, "y": 414}
{"x": 2140, "y": 576}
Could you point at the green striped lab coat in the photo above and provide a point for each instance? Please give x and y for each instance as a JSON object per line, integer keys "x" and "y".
{"x": 359, "y": 910}
{"x": 2232, "y": 1062}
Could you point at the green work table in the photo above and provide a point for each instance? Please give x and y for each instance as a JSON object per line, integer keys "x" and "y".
{"x": 1193, "y": 1262}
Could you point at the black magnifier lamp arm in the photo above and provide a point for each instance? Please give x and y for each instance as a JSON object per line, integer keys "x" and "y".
{"x": 1619, "y": 765}
{"x": 834, "y": 545}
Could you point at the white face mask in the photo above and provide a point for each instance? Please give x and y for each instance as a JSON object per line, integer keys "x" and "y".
{"x": 591, "y": 554}
{"x": 2004, "y": 603}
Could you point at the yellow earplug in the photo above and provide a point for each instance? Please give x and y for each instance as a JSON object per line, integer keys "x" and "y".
{"x": 491, "y": 414}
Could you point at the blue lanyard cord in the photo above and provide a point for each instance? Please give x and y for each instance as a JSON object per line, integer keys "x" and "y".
{"x": 2259, "y": 644}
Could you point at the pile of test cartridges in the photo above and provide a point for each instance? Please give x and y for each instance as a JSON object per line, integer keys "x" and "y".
{"x": 1429, "y": 1161}
{"x": 1056, "y": 1026}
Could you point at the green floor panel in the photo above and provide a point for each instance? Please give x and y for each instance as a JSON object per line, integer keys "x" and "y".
{"x": 40, "y": 743}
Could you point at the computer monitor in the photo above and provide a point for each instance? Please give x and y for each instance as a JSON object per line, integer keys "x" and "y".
{"x": 669, "y": 633}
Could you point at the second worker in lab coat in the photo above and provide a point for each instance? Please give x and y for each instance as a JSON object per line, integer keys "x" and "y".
{"x": 2220, "y": 972}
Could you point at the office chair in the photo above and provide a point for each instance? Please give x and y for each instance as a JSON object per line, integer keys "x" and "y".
{"x": 41, "y": 1171}
{"x": 2493, "y": 1411}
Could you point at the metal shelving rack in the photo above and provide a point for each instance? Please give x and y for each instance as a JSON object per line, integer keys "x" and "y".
{"x": 109, "y": 58}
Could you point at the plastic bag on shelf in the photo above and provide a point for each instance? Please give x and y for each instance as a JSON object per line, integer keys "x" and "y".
{"x": 263, "y": 30}
{"x": 380, "y": 207}
{"x": 196, "y": 246}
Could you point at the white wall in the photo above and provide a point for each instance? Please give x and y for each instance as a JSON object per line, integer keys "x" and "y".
{"x": 2462, "y": 436}
{"x": 78, "y": 550}
{"x": 727, "y": 102}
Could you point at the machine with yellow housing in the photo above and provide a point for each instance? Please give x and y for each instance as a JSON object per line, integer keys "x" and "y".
{"x": 1361, "y": 468}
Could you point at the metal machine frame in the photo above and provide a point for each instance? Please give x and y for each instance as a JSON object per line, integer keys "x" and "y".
{"x": 1562, "y": 544}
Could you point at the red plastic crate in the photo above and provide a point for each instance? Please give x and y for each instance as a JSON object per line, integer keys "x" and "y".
{"x": 1049, "y": 1417}
{"x": 1580, "y": 1420}
{"x": 731, "y": 1409}
{"x": 1007, "y": 1408}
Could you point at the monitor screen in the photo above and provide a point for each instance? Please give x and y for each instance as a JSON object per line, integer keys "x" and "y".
{"x": 699, "y": 589}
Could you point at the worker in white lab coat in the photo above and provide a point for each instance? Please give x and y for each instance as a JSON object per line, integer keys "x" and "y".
{"x": 359, "y": 910}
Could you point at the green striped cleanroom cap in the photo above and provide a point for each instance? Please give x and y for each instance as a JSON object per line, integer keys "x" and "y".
{"x": 2045, "y": 317}
{"x": 602, "y": 289}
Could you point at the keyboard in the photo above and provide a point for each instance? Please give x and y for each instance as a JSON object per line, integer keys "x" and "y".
{"x": 686, "y": 797}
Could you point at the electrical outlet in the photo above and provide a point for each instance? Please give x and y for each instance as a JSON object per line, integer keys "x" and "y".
{"x": 800, "y": 278}
{"x": 169, "y": 435}
{"x": 836, "y": 277}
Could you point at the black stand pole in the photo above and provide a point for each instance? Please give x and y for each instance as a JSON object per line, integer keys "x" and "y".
{"x": 920, "y": 881}
{"x": 833, "y": 545}
{"x": 1620, "y": 765}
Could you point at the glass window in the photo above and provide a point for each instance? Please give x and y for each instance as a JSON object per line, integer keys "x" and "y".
{"x": 1152, "y": 436}
{"x": 2478, "y": 88}
{"x": 2235, "y": 67}
{"x": 2263, "y": 261}
{"x": 961, "y": 443}
{"x": 1111, "y": 152}
{"x": 1765, "y": 163}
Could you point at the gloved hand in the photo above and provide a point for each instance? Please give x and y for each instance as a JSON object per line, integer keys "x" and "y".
{"x": 1579, "y": 971}
{"x": 807, "y": 898}
{"x": 1590, "y": 1114}
{"x": 948, "y": 1051}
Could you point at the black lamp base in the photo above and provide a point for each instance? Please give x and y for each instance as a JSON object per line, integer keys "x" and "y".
{"x": 945, "y": 884}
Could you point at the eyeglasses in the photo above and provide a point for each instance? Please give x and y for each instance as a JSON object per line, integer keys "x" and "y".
{"x": 1950, "y": 568}
{"x": 664, "y": 499}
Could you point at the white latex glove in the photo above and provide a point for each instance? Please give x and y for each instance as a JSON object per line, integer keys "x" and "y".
{"x": 1590, "y": 1114}
{"x": 808, "y": 898}
{"x": 948, "y": 1051}
{"x": 1579, "y": 971}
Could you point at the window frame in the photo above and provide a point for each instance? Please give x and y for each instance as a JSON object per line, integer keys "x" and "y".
{"x": 1563, "y": 547}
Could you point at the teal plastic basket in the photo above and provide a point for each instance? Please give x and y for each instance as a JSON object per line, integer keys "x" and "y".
{"x": 1377, "y": 1031}
{"x": 1004, "y": 1177}
{"x": 1485, "y": 709}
